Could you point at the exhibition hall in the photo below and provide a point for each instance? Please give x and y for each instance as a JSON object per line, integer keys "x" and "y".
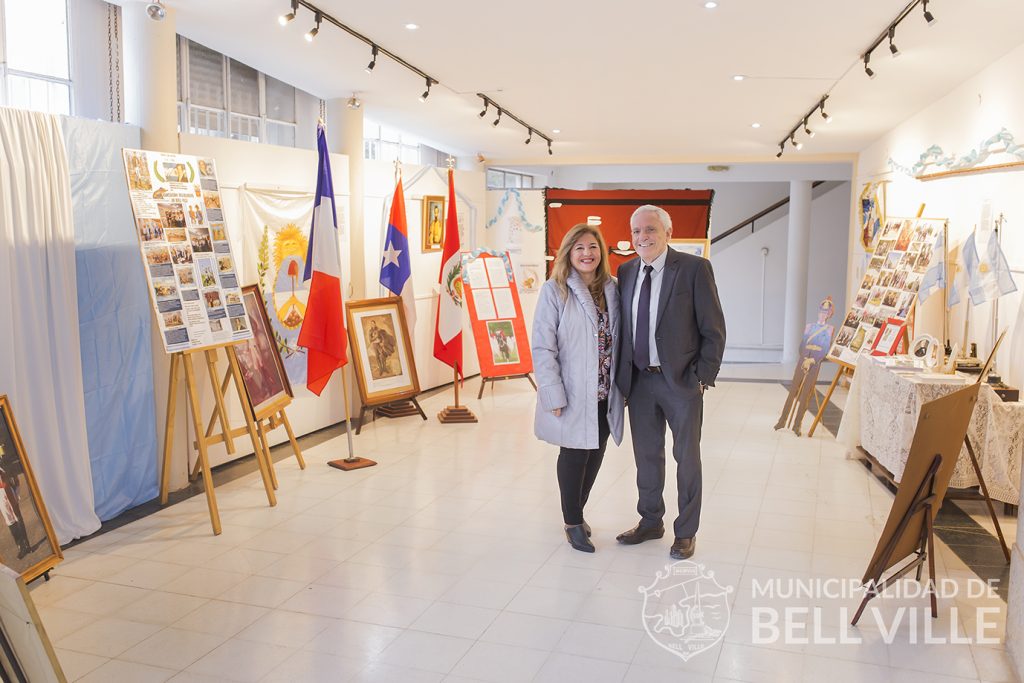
{"x": 446, "y": 342}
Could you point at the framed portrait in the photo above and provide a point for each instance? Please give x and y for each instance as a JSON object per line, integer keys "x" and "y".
{"x": 433, "y": 223}
{"x": 28, "y": 545}
{"x": 696, "y": 246}
{"x": 381, "y": 350}
{"x": 888, "y": 339}
{"x": 263, "y": 372}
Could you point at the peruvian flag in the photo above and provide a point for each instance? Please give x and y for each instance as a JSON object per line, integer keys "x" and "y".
{"x": 323, "y": 327}
{"x": 448, "y": 332}
{"x": 396, "y": 264}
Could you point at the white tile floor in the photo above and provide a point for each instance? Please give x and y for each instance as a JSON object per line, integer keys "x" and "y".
{"x": 447, "y": 562}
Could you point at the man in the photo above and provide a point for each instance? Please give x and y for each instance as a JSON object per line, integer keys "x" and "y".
{"x": 671, "y": 350}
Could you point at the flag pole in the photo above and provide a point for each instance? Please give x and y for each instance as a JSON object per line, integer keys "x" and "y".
{"x": 352, "y": 462}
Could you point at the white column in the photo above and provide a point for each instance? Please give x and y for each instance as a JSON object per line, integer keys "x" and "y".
{"x": 345, "y": 136}
{"x": 797, "y": 249}
{"x": 150, "y": 76}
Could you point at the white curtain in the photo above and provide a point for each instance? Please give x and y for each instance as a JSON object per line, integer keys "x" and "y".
{"x": 40, "y": 362}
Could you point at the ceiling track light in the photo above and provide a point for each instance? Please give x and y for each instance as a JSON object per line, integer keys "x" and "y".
{"x": 824, "y": 114}
{"x": 373, "y": 59}
{"x": 529, "y": 139}
{"x": 867, "y": 68}
{"x": 530, "y": 129}
{"x": 550, "y": 151}
{"x": 892, "y": 45}
{"x": 793, "y": 141}
{"x": 928, "y": 16}
{"x": 156, "y": 10}
{"x": 426, "y": 93}
{"x": 782, "y": 149}
{"x": 807, "y": 130}
{"x": 497, "y": 119}
{"x": 483, "y": 112}
{"x": 286, "y": 19}
{"x": 311, "y": 34}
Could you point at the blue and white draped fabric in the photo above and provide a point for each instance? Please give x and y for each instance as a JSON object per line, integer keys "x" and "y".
{"x": 988, "y": 273}
{"x": 935, "y": 277}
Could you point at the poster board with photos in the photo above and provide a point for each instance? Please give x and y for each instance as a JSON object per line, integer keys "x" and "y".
{"x": 380, "y": 349}
{"x": 889, "y": 287}
{"x": 192, "y": 277}
{"x": 496, "y": 315}
{"x": 28, "y": 544}
{"x": 263, "y": 373}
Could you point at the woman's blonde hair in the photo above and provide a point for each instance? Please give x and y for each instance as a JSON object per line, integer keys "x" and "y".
{"x": 562, "y": 266}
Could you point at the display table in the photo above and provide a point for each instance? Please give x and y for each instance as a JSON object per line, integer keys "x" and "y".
{"x": 881, "y": 415}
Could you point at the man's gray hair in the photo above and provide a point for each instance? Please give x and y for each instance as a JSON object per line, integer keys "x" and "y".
{"x": 661, "y": 213}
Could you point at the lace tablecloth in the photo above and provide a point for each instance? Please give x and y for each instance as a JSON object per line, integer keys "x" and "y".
{"x": 881, "y": 414}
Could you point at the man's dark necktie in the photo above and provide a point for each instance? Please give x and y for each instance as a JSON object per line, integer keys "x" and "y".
{"x": 642, "y": 341}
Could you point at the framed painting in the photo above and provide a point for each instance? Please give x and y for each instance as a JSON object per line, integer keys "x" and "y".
{"x": 888, "y": 339}
{"x": 692, "y": 245}
{"x": 381, "y": 350}
{"x": 263, "y": 372}
{"x": 29, "y": 545}
{"x": 433, "y": 222}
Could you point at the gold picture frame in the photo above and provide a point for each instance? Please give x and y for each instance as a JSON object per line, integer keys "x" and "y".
{"x": 381, "y": 350}
{"x": 29, "y": 546}
{"x": 692, "y": 245}
{"x": 263, "y": 373}
{"x": 433, "y": 222}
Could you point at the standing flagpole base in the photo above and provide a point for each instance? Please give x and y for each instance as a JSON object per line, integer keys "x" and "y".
{"x": 456, "y": 414}
{"x": 353, "y": 463}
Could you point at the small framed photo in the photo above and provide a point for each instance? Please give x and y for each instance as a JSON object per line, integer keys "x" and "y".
{"x": 381, "y": 350}
{"x": 888, "y": 339}
{"x": 263, "y": 373}
{"x": 29, "y": 545}
{"x": 696, "y": 246}
{"x": 433, "y": 222}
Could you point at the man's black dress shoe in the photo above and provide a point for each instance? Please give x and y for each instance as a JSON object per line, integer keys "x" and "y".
{"x": 639, "y": 534}
{"x": 683, "y": 548}
{"x": 578, "y": 539}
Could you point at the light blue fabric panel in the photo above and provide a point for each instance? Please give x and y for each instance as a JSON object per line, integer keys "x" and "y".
{"x": 114, "y": 319}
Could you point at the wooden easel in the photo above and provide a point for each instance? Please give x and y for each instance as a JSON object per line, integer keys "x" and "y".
{"x": 922, "y": 502}
{"x": 183, "y": 359}
{"x": 456, "y": 413}
{"x": 403, "y": 408}
{"x": 492, "y": 380}
{"x": 844, "y": 370}
{"x": 268, "y": 419}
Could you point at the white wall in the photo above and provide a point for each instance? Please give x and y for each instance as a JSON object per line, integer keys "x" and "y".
{"x": 90, "y": 82}
{"x": 958, "y": 123}
{"x": 754, "y": 312}
{"x": 470, "y": 203}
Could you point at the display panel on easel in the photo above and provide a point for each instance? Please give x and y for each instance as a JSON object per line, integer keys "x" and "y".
{"x": 496, "y": 315}
{"x": 190, "y": 270}
{"x": 266, "y": 382}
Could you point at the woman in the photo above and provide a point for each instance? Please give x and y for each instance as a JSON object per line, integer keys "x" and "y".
{"x": 575, "y": 329}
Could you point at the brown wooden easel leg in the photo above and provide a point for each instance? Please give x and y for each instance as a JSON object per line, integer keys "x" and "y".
{"x": 291, "y": 438}
{"x": 483, "y": 383}
{"x": 218, "y": 399}
{"x": 821, "y": 411}
{"x": 418, "y": 407}
{"x": 197, "y": 420}
{"x": 236, "y": 375}
{"x": 929, "y": 530}
{"x": 172, "y": 391}
{"x": 988, "y": 498}
{"x": 532, "y": 383}
{"x": 265, "y": 445}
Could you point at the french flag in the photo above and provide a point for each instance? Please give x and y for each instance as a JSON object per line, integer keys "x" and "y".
{"x": 323, "y": 327}
{"x": 396, "y": 264}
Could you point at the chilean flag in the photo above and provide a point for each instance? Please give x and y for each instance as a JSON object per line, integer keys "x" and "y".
{"x": 323, "y": 327}
{"x": 396, "y": 265}
{"x": 448, "y": 332}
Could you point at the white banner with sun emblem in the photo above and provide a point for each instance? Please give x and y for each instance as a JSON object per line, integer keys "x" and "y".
{"x": 276, "y": 224}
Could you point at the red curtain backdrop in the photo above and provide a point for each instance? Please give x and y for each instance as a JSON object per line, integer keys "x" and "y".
{"x": 690, "y": 211}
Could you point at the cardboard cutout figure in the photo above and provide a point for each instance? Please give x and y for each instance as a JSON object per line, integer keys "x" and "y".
{"x": 816, "y": 343}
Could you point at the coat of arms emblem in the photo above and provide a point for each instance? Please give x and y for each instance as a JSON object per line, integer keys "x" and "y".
{"x": 686, "y": 609}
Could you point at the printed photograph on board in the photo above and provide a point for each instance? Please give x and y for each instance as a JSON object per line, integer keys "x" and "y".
{"x": 504, "y": 347}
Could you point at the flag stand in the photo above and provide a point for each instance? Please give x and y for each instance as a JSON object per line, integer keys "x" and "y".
{"x": 352, "y": 462}
{"x": 456, "y": 413}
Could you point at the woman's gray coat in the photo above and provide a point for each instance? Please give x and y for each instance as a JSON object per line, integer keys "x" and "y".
{"x": 565, "y": 363}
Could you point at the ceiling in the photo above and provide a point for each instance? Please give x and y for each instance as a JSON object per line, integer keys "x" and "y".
{"x": 652, "y": 85}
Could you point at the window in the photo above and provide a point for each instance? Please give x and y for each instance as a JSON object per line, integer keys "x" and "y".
{"x": 35, "y": 71}
{"x": 223, "y": 97}
{"x": 381, "y": 143}
{"x": 501, "y": 180}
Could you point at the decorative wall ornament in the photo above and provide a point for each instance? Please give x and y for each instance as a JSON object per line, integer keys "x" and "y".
{"x": 512, "y": 196}
{"x": 934, "y": 159}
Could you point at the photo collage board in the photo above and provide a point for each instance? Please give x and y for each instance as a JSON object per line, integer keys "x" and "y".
{"x": 902, "y": 256}
{"x": 193, "y": 282}
{"x": 499, "y": 328}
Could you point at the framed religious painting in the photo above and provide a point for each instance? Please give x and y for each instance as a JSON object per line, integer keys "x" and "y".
{"x": 29, "y": 545}
{"x": 696, "y": 246}
{"x": 381, "y": 350}
{"x": 433, "y": 223}
{"x": 263, "y": 372}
